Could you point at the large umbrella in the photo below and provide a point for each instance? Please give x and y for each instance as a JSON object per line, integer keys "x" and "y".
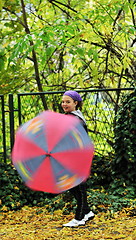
{"x": 52, "y": 152}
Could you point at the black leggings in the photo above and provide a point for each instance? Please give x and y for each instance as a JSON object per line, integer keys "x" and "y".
{"x": 79, "y": 192}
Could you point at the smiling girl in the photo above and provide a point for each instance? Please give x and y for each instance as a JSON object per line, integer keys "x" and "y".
{"x": 72, "y": 104}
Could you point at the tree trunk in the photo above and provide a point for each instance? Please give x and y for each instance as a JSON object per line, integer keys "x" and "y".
{"x": 34, "y": 57}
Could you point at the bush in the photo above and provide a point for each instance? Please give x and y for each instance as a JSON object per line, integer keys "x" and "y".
{"x": 14, "y": 194}
{"x": 101, "y": 172}
{"x": 124, "y": 164}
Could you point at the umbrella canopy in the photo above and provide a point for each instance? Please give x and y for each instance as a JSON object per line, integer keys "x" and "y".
{"x": 52, "y": 152}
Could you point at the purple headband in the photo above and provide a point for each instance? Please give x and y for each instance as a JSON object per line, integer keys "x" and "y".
{"x": 74, "y": 95}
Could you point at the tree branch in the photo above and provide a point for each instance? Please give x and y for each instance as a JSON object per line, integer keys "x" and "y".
{"x": 65, "y": 5}
{"x": 19, "y": 19}
{"x": 106, "y": 46}
{"x": 133, "y": 16}
{"x": 117, "y": 17}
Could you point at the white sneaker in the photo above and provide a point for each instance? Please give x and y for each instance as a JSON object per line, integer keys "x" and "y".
{"x": 74, "y": 223}
{"x": 88, "y": 216}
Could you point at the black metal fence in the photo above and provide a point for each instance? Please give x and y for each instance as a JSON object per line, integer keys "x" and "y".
{"x": 100, "y": 108}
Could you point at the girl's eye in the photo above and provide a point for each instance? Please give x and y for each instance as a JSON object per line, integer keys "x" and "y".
{"x": 65, "y": 102}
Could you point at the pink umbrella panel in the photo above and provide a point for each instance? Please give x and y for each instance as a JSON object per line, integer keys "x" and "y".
{"x": 52, "y": 152}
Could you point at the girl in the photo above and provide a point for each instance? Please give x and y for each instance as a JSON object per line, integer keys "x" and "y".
{"x": 71, "y": 103}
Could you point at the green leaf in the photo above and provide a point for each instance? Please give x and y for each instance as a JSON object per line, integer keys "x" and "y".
{"x": 49, "y": 51}
{"x": 80, "y": 51}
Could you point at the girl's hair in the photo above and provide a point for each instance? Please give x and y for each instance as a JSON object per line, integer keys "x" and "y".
{"x": 79, "y": 105}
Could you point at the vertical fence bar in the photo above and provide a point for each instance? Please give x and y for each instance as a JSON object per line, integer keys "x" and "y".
{"x": 11, "y": 120}
{"x": 19, "y": 109}
{"x": 3, "y": 129}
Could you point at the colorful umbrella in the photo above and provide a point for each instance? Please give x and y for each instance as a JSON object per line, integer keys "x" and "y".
{"x": 52, "y": 152}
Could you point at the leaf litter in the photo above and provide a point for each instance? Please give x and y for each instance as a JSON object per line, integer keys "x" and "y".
{"x": 37, "y": 223}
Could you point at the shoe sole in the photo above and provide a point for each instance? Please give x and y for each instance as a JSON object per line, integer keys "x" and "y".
{"x": 74, "y": 226}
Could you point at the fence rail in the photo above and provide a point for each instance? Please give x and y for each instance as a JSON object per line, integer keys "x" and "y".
{"x": 100, "y": 108}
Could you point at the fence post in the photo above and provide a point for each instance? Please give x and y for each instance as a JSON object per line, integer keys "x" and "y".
{"x": 3, "y": 129}
{"x": 19, "y": 108}
{"x": 11, "y": 120}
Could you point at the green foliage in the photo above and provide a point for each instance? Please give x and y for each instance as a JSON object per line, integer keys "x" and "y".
{"x": 102, "y": 200}
{"x": 67, "y": 44}
{"x": 101, "y": 172}
{"x": 14, "y": 194}
{"x": 125, "y": 139}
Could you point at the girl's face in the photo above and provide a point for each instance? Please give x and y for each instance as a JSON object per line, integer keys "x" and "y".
{"x": 68, "y": 104}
